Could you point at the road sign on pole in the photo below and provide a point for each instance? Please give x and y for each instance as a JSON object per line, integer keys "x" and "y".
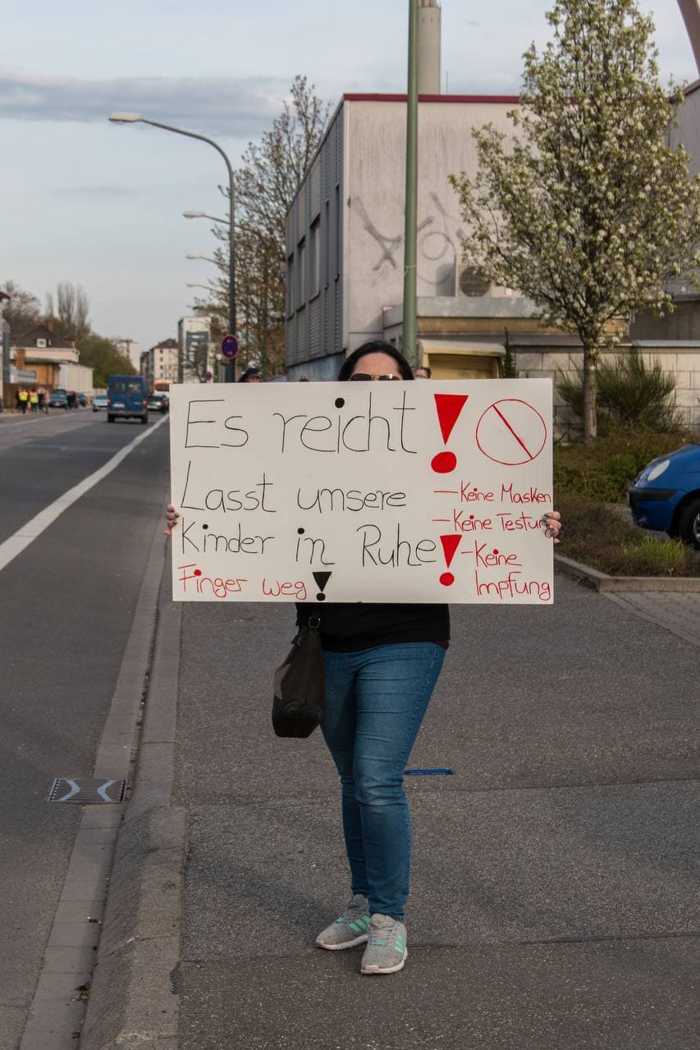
{"x": 229, "y": 346}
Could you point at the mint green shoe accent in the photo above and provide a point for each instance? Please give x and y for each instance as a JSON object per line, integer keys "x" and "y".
{"x": 349, "y": 929}
{"x": 359, "y": 925}
{"x": 386, "y": 950}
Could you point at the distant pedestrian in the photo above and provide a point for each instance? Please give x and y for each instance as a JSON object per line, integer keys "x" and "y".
{"x": 381, "y": 665}
{"x": 43, "y": 402}
{"x": 424, "y": 372}
{"x": 34, "y": 400}
{"x": 251, "y": 375}
{"x": 23, "y": 398}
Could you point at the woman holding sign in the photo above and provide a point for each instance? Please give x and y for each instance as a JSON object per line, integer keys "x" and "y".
{"x": 381, "y": 665}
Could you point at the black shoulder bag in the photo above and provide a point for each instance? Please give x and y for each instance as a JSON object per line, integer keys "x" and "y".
{"x": 299, "y": 684}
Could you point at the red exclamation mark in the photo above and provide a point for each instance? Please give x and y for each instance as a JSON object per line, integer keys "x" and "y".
{"x": 449, "y": 547}
{"x": 449, "y": 408}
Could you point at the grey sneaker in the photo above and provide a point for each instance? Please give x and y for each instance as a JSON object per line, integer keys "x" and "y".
{"x": 386, "y": 951}
{"x": 349, "y": 929}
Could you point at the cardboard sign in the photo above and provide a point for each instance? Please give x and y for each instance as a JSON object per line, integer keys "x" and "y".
{"x": 363, "y": 492}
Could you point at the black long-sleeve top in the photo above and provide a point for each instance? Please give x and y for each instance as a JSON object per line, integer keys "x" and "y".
{"x": 350, "y": 627}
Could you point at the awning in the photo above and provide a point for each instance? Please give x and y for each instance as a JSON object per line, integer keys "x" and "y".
{"x": 435, "y": 347}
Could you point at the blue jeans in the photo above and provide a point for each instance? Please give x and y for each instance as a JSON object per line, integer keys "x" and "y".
{"x": 375, "y": 703}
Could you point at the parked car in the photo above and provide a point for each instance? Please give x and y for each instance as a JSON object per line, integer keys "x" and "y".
{"x": 58, "y": 399}
{"x": 666, "y": 495}
{"x": 127, "y": 398}
{"x": 100, "y": 402}
{"x": 158, "y": 403}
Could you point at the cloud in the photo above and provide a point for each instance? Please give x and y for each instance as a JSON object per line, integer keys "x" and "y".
{"x": 240, "y": 108}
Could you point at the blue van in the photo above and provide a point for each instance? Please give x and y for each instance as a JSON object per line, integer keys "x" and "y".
{"x": 127, "y": 398}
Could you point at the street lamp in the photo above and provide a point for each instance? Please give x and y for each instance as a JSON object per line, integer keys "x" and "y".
{"x": 204, "y": 215}
{"x": 137, "y": 118}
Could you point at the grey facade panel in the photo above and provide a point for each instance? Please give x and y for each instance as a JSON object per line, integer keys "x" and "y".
{"x": 315, "y": 190}
{"x": 316, "y": 339}
{"x": 315, "y": 332}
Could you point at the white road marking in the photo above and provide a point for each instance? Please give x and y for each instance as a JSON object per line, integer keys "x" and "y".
{"x": 21, "y": 539}
{"x": 102, "y": 791}
{"x": 74, "y": 790}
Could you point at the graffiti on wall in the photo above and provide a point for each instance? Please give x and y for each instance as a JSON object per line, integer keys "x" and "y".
{"x": 439, "y": 236}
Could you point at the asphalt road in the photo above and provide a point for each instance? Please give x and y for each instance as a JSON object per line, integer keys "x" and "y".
{"x": 65, "y": 612}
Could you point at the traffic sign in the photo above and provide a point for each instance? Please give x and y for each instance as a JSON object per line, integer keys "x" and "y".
{"x": 229, "y": 346}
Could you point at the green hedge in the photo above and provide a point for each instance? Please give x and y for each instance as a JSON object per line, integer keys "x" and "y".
{"x": 603, "y": 471}
{"x": 601, "y": 537}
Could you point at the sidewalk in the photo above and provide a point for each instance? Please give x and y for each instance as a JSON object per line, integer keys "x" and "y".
{"x": 554, "y": 900}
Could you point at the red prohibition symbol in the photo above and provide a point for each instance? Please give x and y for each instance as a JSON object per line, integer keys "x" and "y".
{"x": 511, "y": 432}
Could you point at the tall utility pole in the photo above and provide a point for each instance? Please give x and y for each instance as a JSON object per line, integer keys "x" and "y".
{"x": 410, "y": 301}
{"x": 690, "y": 9}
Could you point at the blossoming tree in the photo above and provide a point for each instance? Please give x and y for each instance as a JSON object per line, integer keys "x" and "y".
{"x": 586, "y": 209}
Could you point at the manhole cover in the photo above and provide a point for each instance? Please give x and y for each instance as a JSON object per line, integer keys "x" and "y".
{"x": 87, "y": 791}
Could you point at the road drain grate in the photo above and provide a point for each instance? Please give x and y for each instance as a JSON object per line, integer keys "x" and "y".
{"x": 87, "y": 791}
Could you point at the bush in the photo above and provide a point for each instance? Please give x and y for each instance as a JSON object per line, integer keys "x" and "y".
{"x": 600, "y": 536}
{"x": 630, "y": 392}
{"x": 604, "y": 470}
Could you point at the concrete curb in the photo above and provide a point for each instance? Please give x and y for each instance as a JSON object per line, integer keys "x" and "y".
{"x": 58, "y": 1005}
{"x": 600, "y": 581}
{"x": 133, "y": 1001}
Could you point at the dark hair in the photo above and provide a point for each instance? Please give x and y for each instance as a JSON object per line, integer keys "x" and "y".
{"x": 424, "y": 368}
{"x": 375, "y": 346}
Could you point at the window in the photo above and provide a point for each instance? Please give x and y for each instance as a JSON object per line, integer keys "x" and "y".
{"x": 327, "y": 247}
{"x": 300, "y": 292}
{"x": 126, "y": 386}
{"x": 291, "y": 277}
{"x": 315, "y": 259}
{"x": 338, "y": 233}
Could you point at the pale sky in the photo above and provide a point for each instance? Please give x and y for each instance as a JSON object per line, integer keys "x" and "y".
{"x": 101, "y": 205}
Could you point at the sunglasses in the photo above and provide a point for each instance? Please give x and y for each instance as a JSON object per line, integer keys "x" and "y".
{"x": 364, "y": 377}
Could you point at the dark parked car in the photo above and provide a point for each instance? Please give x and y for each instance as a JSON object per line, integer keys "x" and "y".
{"x": 58, "y": 399}
{"x": 666, "y": 495}
{"x": 158, "y": 403}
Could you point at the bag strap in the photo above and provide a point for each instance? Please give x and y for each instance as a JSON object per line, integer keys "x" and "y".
{"x": 313, "y": 623}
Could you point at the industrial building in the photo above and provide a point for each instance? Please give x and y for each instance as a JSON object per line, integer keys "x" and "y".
{"x": 345, "y": 234}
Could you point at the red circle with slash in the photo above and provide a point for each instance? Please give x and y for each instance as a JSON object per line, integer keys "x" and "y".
{"x": 511, "y": 432}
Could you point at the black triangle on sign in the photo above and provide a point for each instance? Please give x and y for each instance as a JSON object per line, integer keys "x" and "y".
{"x": 322, "y": 579}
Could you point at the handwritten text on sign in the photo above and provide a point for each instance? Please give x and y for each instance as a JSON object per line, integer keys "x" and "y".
{"x": 371, "y": 492}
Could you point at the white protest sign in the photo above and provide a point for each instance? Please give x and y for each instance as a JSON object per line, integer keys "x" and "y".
{"x": 363, "y": 492}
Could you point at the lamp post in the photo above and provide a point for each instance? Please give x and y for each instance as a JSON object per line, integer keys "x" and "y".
{"x": 204, "y": 215}
{"x": 410, "y": 302}
{"x": 137, "y": 118}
